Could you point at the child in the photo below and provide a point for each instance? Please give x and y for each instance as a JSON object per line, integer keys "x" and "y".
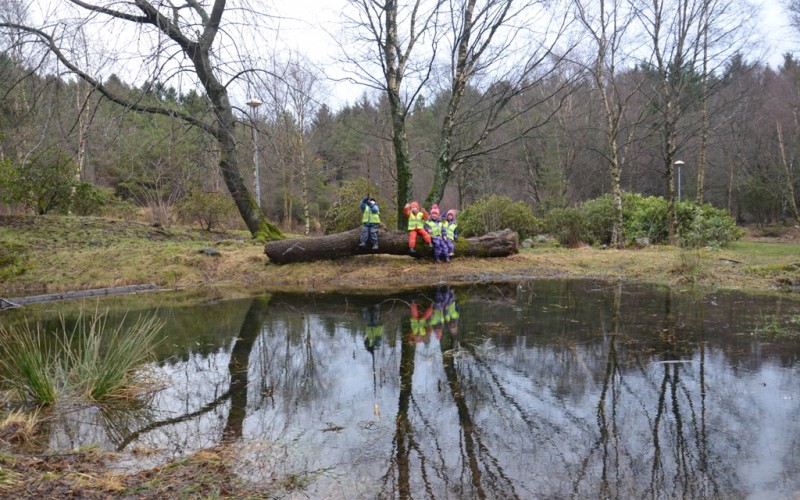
{"x": 416, "y": 225}
{"x": 450, "y": 233}
{"x": 371, "y": 220}
{"x": 434, "y": 227}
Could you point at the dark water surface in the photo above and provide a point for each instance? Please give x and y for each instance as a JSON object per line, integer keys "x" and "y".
{"x": 544, "y": 389}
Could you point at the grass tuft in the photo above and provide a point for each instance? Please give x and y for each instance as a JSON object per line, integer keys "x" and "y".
{"x": 92, "y": 361}
{"x": 29, "y": 363}
{"x": 19, "y": 426}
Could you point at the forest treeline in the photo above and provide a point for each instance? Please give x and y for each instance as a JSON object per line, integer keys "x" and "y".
{"x": 726, "y": 136}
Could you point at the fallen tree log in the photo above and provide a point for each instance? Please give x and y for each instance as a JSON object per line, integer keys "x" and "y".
{"x": 335, "y": 246}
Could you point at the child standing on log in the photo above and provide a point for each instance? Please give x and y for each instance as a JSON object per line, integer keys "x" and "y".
{"x": 416, "y": 225}
{"x": 371, "y": 221}
{"x": 434, "y": 228}
{"x": 450, "y": 232}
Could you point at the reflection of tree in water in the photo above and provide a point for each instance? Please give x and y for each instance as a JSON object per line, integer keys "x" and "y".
{"x": 239, "y": 365}
{"x": 236, "y": 394}
{"x": 686, "y": 471}
{"x": 418, "y": 452}
{"x": 542, "y": 393}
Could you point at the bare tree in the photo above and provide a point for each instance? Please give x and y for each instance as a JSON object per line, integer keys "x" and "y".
{"x": 684, "y": 37}
{"x": 505, "y": 49}
{"x": 388, "y": 34}
{"x": 608, "y": 25}
{"x": 177, "y": 41}
{"x": 291, "y": 92}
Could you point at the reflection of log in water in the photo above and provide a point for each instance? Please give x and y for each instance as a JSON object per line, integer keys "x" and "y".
{"x": 238, "y": 367}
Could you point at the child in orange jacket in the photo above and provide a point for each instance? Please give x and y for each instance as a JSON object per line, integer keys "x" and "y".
{"x": 416, "y": 225}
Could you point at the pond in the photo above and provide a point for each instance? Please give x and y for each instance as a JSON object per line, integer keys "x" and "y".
{"x": 538, "y": 389}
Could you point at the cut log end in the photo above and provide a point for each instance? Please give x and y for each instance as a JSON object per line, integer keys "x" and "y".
{"x": 335, "y": 246}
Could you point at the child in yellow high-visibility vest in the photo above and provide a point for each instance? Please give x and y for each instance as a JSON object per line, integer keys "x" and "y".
{"x": 371, "y": 222}
{"x": 450, "y": 233}
{"x": 416, "y": 225}
{"x": 435, "y": 228}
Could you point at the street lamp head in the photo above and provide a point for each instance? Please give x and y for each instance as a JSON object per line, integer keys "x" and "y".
{"x": 254, "y": 103}
{"x": 678, "y": 162}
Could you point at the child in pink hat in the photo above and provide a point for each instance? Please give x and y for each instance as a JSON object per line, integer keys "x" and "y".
{"x": 450, "y": 233}
{"x": 434, "y": 227}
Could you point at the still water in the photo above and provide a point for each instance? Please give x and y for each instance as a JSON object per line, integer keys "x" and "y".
{"x": 542, "y": 389}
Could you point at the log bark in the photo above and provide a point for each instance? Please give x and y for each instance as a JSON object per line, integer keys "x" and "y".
{"x": 335, "y": 246}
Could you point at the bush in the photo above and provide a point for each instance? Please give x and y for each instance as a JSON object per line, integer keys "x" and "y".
{"x": 567, "y": 225}
{"x": 704, "y": 225}
{"x": 87, "y": 199}
{"x": 209, "y": 209}
{"x": 599, "y": 220}
{"x": 345, "y": 214}
{"x": 44, "y": 184}
{"x": 643, "y": 218}
{"x": 495, "y": 213}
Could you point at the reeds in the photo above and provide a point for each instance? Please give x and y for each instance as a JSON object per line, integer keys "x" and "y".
{"x": 93, "y": 360}
{"x": 29, "y": 363}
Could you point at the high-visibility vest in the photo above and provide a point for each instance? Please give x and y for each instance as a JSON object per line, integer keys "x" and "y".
{"x": 370, "y": 216}
{"x": 451, "y": 313}
{"x": 451, "y": 230}
{"x": 434, "y": 228}
{"x": 415, "y": 221}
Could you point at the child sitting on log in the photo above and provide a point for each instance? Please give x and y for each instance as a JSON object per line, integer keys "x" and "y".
{"x": 450, "y": 232}
{"x": 434, "y": 227}
{"x": 416, "y": 225}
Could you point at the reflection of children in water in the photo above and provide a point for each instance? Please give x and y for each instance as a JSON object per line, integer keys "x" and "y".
{"x": 419, "y": 324}
{"x": 451, "y": 312}
{"x": 442, "y": 314}
{"x": 437, "y": 319}
{"x": 374, "y": 334}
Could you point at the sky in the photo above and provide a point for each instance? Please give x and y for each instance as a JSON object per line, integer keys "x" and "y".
{"x": 304, "y": 23}
{"x": 779, "y": 37}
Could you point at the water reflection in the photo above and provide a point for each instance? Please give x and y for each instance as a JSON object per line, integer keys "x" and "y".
{"x": 532, "y": 390}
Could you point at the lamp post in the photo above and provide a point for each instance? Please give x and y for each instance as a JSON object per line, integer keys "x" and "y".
{"x": 678, "y": 164}
{"x": 254, "y": 103}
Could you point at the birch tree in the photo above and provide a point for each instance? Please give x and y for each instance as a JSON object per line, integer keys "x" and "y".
{"x": 608, "y": 26}
{"x": 683, "y": 38}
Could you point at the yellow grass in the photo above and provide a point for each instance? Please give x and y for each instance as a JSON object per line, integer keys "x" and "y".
{"x": 72, "y": 253}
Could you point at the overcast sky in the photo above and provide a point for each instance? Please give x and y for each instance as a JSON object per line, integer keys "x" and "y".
{"x": 305, "y": 21}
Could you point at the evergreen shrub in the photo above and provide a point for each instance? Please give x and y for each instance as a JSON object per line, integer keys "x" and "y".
{"x": 495, "y": 213}
{"x": 644, "y": 218}
{"x": 567, "y": 225}
{"x": 345, "y": 214}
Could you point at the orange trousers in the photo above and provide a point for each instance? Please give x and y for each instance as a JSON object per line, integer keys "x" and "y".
{"x": 412, "y": 237}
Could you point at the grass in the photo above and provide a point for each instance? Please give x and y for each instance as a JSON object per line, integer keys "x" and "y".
{"x": 19, "y": 426}
{"x": 53, "y": 254}
{"x": 92, "y": 361}
{"x": 29, "y": 363}
{"x": 103, "y": 359}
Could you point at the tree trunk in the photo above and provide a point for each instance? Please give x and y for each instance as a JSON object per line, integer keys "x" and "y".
{"x": 335, "y": 246}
